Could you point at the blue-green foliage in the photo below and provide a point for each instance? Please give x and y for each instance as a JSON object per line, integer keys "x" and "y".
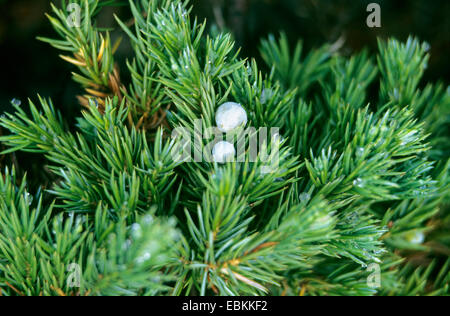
{"x": 361, "y": 179}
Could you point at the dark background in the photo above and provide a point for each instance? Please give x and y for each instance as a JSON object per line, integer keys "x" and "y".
{"x": 29, "y": 67}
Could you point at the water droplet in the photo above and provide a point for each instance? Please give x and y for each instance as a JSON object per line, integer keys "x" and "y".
{"x": 359, "y": 152}
{"x": 144, "y": 257}
{"x": 416, "y": 238}
{"x": 230, "y": 116}
{"x": 358, "y": 182}
{"x": 266, "y": 95}
{"x": 305, "y": 197}
{"x": 418, "y": 193}
{"x": 16, "y": 102}
{"x": 136, "y": 230}
{"x": 29, "y": 198}
{"x": 223, "y": 152}
{"x": 148, "y": 219}
{"x": 396, "y": 94}
{"x": 378, "y": 251}
{"x": 319, "y": 165}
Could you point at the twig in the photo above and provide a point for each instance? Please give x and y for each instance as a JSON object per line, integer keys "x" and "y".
{"x": 14, "y": 289}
